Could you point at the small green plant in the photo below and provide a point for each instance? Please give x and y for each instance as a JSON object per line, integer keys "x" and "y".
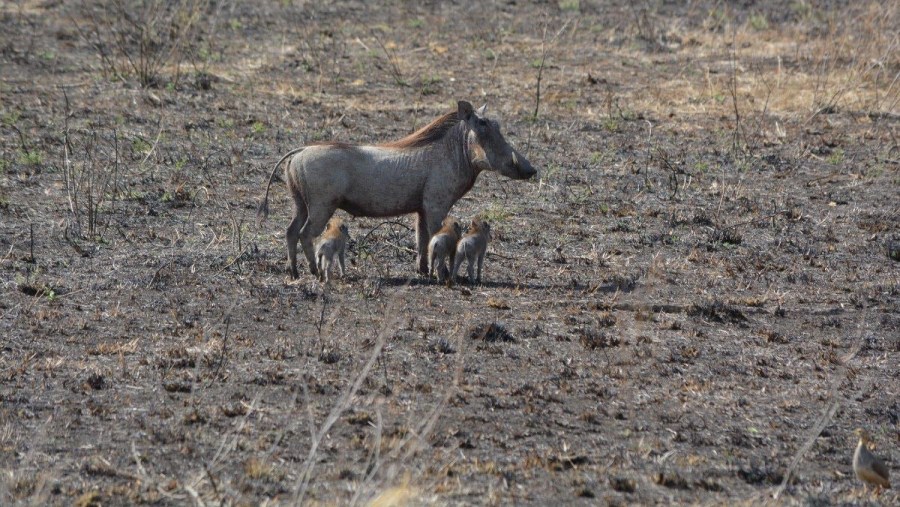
{"x": 611, "y": 125}
{"x": 759, "y": 22}
{"x": 140, "y": 146}
{"x": 872, "y": 172}
{"x": 416, "y": 23}
{"x": 140, "y": 39}
{"x": 11, "y": 118}
{"x": 801, "y": 8}
{"x": 598, "y": 157}
{"x": 495, "y": 213}
{"x": 570, "y": 5}
{"x": 258, "y": 127}
{"x": 31, "y": 285}
{"x": 702, "y": 166}
{"x": 134, "y": 195}
{"x": 32, "y": 158}
{"x": 550, "y": 172}
{"x": 581, "y": 196}
{"x": 235, "y": 24}
{"x": 537, "y": 63}
{"x": 429, "y": 85}
{"x": 715, "y": 20}
{"x": 206, "y": 55}
{"x": 836, "y": 157}
{"x": 4, "y": 164}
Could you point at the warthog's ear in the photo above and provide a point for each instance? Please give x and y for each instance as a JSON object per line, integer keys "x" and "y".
{"x": 481, "y": 110}
{"x": 465, "y": 110}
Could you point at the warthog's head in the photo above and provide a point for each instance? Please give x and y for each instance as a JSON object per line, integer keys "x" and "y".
{"x": 488, "y": 149}
{"x": 452, "y": 222}
{"x": 480, "y": 226}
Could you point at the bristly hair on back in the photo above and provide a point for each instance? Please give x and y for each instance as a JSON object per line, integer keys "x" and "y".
{"x": 427, "y": 134}
{"x": 333, "y": 144}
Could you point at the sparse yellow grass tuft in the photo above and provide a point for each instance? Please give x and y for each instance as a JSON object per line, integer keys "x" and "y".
{"x": 89, "y": 499}
{"x": 827, "y": 59}
{"x": 257, "y": 469}
{"x": 394, "y": 497}
{"x": 115, "y": 348}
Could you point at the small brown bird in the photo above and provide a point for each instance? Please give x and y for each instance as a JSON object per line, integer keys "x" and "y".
{"x": 868, "y": 467}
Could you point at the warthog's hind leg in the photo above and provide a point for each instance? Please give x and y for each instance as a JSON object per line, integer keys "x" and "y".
{"x": 432, "y": 260}
{"x": 471, "y": 269}
{"x": 325, "y": 268}
{"x": 320, "y": 264}
{"x": 457, "y": 262}
{"x": 293, "y": 234}
{"x": 480, "y": 263}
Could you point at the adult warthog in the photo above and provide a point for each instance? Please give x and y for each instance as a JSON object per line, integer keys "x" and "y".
{"x": 426, "y": 172}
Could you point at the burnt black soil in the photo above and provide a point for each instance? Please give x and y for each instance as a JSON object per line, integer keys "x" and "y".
{"x": 696, "y": 302}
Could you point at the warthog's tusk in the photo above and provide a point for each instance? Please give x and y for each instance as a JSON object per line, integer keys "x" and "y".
{"x": 515, "y": 160}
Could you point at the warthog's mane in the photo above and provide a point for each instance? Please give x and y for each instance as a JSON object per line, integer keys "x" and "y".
{"x": 429, "y": 134}
{"x": 333, "y": 144}
{"x": 426, "y": 135}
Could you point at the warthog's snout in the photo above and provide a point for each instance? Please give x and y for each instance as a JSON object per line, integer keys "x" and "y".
{"x": 523, "y": 166}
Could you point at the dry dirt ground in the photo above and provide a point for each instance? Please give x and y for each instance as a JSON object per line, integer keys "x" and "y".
{"x": 695, "y": 303}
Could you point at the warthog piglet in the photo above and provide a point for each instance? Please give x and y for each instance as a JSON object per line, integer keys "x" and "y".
{"x": 472, "y": 247}
{"x": 443, "y": 246}
{"x": 332, "y": 243}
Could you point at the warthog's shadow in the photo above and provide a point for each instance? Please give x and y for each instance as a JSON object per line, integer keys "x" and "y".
{"x": 464, "y": 282}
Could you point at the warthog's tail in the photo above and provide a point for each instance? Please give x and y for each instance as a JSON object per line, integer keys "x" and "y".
{"x": 262, "y": 212}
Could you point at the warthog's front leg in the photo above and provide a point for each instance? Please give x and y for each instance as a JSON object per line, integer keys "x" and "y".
{"x": 315, "y": 224}
{"x": 307, "y": 243}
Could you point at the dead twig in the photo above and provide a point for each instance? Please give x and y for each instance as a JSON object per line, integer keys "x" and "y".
{"x": 343, "y": 403}
{"x": 396, "y": 73}
{"x": 828, "y": 413}
{"x": 537, "y": 94}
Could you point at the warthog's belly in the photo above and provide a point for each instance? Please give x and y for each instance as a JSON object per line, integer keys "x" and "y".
{"x": 373, "y": 207}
